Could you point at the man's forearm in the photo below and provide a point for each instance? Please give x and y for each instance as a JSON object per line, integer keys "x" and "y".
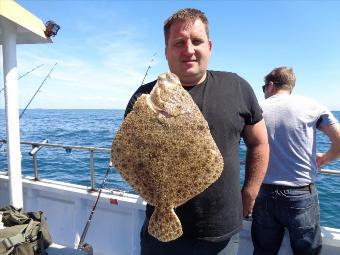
{"x": 256, "y": 166}
{"x": 256, "y": 140}
{"x": 333, "y": 133}
{"x": 255, "y": 170}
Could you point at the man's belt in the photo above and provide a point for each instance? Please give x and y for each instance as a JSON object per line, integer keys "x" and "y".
{"x": 284, "y": 187}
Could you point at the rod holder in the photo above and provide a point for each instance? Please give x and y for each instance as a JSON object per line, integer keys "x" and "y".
{"x": 36, "y": 148}
{"x": 33, "y": 153}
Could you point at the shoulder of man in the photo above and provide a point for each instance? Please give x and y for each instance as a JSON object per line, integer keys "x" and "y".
{"x": 309, "y": 102}
{"x": 224, "y": 74}
{"x": 324, "y": 116}
{"x": 239, "y": 88}
{"x": 145, "y": 88}
{"x": 230, "y": 77}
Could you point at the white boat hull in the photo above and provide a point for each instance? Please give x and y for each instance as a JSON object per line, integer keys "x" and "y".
{"x": 117, "y": 220}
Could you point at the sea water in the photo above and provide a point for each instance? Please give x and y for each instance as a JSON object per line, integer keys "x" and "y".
{"x": 97, "y": 128}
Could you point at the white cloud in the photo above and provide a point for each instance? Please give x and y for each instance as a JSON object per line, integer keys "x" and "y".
{"x": 97, "y": 68}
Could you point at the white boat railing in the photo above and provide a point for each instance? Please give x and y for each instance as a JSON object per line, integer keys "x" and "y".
{"x": 37, "y": 146}
{"x": 330, "y": 171}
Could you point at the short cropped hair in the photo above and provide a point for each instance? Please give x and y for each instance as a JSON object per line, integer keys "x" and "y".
{"x": 283, "y": 77}
{"x": 188, "y": 14}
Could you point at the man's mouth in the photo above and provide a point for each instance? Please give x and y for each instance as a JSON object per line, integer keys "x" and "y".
{"x": 189, "y": 61}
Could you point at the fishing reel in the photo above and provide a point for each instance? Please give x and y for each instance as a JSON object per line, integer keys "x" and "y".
{"x": 86, "y": 248}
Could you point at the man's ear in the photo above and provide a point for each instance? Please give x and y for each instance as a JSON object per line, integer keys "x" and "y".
{"x": 271, "y": 88}
{"x": 165, "y": 52}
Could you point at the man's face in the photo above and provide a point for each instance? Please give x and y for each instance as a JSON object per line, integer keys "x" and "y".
{"x": 188, "y": 51}
{"x": 269, "y": 89}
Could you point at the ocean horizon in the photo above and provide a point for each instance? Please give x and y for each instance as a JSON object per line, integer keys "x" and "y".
{"x": 96, "y": 128}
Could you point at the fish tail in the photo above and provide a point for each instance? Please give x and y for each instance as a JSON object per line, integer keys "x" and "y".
{"x": 164, "y": 224}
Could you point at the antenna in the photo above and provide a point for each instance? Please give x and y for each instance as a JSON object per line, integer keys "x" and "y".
{"x": 147, "y": 70}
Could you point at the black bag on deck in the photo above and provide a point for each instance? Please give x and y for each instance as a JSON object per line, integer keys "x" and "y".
{"x": 24, "y": 233}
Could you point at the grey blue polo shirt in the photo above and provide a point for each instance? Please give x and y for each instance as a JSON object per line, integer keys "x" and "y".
{"x": 291, "y": 124}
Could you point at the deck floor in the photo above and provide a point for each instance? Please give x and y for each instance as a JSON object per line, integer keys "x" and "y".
{"x": 56, "y": 249}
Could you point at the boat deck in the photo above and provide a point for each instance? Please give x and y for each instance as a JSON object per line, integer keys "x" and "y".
{"x": 56, "y": 249}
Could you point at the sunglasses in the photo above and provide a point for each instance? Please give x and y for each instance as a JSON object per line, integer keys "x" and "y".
{"x": 264, "y": 87}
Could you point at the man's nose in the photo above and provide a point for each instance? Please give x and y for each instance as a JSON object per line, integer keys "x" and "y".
{"x": 189, "y": 48}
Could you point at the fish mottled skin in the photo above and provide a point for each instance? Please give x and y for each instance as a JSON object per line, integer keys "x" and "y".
{"x": 165, "y": 151}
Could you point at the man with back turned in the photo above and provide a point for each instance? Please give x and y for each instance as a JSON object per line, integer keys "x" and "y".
{"x": 288, "y": 198}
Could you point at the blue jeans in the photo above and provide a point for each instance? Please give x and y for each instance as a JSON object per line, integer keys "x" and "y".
{"x": 186, "y": 246}
{"x": 278, "y": 208}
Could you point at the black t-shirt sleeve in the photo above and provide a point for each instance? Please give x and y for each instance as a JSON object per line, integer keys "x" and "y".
{"x": 252, "y": 112}
{"x": 144, "y": 89}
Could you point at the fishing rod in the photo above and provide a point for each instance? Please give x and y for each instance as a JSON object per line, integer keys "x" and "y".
{"x": 47, "y": 76}
{"x": 85, "y": 246}
{"x": 35, "y": 68}
{"x": 2, "y": 89}
{"x": 147, "y": 70}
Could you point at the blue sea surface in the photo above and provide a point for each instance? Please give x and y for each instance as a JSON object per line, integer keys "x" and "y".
{"x": 97, "y": 128}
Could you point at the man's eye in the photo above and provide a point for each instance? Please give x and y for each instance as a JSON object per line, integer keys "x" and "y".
{"x": 179, "y": 44}
{"x": 197, "y": 42}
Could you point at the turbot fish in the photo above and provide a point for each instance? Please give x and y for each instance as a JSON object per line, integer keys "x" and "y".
{"x": 165, "y": 151}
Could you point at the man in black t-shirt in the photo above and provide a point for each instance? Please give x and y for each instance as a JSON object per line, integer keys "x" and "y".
{"x": 211, "y": 220}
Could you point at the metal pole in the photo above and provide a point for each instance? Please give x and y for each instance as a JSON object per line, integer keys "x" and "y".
{"x": 92, "y": 170}
{"x": 35, "y": 167}
{"x": 12, "y": 113}
{"x": 33, "y": 153}
{"x": 330, "y": 171}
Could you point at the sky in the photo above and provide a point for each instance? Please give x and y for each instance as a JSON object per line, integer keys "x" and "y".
{"x": 104, "y": 48}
